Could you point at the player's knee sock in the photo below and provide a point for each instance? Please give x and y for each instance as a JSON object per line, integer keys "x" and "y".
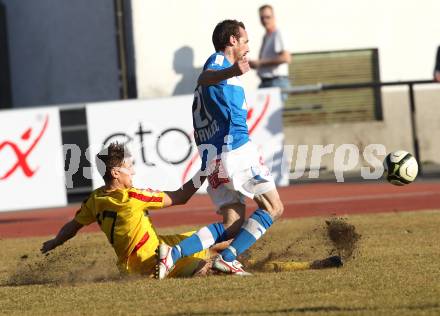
{"x": 203, "y": 239}
{"x": 254, "y": 227}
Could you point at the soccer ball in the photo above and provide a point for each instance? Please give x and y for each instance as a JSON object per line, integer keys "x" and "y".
{"x": 400, "y": 167}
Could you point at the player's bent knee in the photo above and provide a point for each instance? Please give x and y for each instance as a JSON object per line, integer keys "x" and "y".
{"x": 278, "y": 209}
{"x": 273, "y": 206}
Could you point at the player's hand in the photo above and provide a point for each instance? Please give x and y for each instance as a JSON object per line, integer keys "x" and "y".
{"x": 49, "y": 245}
{"x": 241, "y": 66}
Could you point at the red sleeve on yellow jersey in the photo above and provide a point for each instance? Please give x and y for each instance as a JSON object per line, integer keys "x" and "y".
{"x": 84, "y": 216}
{"x": 151, "y": 199}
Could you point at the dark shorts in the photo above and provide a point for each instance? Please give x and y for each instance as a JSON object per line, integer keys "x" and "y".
{"x": 281, "y": 82}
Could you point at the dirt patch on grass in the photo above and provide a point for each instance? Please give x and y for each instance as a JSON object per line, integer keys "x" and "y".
{"x": 343, "y": 238}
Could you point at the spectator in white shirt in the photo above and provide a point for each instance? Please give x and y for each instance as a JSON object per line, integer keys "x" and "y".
{"x": 272, "y": 64}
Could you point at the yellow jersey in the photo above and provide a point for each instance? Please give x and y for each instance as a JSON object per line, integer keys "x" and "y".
{"x": 122, "y": 215}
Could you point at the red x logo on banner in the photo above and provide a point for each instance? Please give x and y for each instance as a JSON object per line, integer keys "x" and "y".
{"x": 22, "y": 155}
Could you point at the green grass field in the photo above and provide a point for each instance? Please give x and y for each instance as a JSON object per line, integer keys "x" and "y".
{"x": 394, "y": 269}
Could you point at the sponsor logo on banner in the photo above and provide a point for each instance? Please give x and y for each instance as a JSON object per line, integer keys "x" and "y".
{"x": 22, "y": 155}
{"x": 160, "y": 136}
{"x": 31, "y": 159}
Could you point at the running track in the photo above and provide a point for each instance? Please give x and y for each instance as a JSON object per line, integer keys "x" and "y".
{"x": 299, "y": 201}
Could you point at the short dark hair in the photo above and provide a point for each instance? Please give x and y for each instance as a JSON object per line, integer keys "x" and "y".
{"x": 223, "y": 31}
{"x": 265, "y": 6}
{"x": 112, "y": 156}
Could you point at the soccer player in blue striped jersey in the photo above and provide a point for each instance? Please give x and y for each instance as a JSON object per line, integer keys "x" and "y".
{"x": 234, "y": 167}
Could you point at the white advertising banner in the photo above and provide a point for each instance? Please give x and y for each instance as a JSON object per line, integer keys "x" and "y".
{"x": 31, "y": 160}
{"x": 159, "y": 134}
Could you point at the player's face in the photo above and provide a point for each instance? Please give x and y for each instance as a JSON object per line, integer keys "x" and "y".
{"x": 242, "y": 44}
{"x": 125, "y": 173}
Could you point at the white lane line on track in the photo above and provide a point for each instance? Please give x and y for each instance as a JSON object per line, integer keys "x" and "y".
{"x": 387, "y": 196}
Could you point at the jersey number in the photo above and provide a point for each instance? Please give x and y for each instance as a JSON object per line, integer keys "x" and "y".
{"x": 111, "y": 215}
{"x": 201, "y": 115}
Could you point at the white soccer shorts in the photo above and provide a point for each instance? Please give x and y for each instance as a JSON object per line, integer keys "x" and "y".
{"x": 238, "y": 174}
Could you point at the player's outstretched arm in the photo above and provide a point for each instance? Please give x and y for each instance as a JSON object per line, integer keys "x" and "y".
{"x": 182, "y": 195}
{"x": 211, "y": 77}
{"x": 68, "y": 231}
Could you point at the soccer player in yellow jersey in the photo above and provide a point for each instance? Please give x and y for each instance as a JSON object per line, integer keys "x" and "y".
{"x": 122, "y": 213}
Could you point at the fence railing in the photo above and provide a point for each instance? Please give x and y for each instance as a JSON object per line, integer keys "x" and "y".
{"x": 410, "y": 84}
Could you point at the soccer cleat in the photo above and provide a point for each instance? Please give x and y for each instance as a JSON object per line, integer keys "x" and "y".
{"x": 330, "y": 262}
{"x": 165, "y": 262}
{"x": 234, "y": 267}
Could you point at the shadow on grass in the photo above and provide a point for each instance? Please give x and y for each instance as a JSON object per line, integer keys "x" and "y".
{"x": 317, "y": 309}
